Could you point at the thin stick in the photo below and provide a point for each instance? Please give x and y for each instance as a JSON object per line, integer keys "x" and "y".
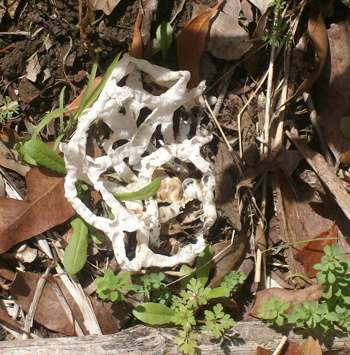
{"x": 280, "y": 345}
{"x": 239, "y": 116}
{"x": 212, "y": 114}
{"x": 28, "y": 323}
{"x": 208, "y": 262}
{"x": 18, "y": 33}
{"x": 265, "y": 148}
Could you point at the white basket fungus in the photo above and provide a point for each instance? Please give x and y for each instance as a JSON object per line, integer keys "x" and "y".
{"x": 136, "y": 161}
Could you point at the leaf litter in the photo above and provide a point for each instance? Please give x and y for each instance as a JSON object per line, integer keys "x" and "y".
{"x": 149, "y": 196}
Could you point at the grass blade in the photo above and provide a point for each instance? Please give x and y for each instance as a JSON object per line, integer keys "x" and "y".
{"x": 143, "y": 194}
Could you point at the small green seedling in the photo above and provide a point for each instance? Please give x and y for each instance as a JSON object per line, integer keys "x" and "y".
{"x": 182, "y": 310}
{"x": 217, "y": 321}
{"x": 274, "y": 311}
{"x": 179, "y": 309}
{"x": 331, "y": 312}
{"x": 164, "y": 36}
{"x": 112, "y": 287}
{"x": 8, "y": 109}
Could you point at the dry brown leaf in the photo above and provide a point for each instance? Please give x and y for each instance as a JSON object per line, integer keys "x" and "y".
{"x": 74, "y": 105}
{"x": 45, "y": 207}
{"x": 333, "y": 89}
{"x": 6, "y": 320}
{"x": 51, "y": 313}
{"x": 311, "y": 346}
{"x": 230, "y": 258}
{"x": 33, "y": 68}
{"x": 262, "y": 351}
{"x": 7, "y": 161}
{"x": 293, "y": 348}
{"x": 304, "y": 211}
{"x": 312, "y": 252}
{"x": 318, "y": 35}
{"x": 262, "y": 5}
{"x": 107, "y": 6}
{"x": 226, "y": 175}
{"x": 227, "y": 39}
{"x": 137, "y": 45}
{"x": 192, "y": 42}
{"x": 27, "y": 91}
{"x": 312, "y": 293}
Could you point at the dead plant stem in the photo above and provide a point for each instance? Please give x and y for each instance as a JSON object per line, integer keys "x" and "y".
{"x": 35, "y": 302}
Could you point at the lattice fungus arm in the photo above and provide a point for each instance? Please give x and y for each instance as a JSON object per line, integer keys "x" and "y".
{"x": 135, "y": 161}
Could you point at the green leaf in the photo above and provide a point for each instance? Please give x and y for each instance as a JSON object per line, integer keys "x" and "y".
{"x": 76, "y": 252}
{"x": 204, "y": 264}
{"x": 35, "y": 152}
{"x": 144, "y": 193}
{"x": 154, "y": 313}
{"x": 46, "y": 120}
{"x": 218, "y": 292}
{"x": 84, "y": 103}
{"x": 185, "y": 270}
{"x": 164, "y": 36}
{"x": 91, "y": 97}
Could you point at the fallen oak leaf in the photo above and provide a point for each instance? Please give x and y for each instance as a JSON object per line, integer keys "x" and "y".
{"x": 312, "y": 252}
{"x": 44, "y": 208}
{"x": 192, "y": 42}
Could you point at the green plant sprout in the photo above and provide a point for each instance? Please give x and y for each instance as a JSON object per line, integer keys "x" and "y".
{"x": 331, "y": 312}
{"x": 34, "y": 152}
{"x": 112, "y": 287}
{"x": 277, "y": 35}
{"x": 182, "y": 309}
{"x": 164, "y": 35}
{"x": 8, "y": 109}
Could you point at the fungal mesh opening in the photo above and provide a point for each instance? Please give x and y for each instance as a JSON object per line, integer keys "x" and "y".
{"x": 134, "y": 120}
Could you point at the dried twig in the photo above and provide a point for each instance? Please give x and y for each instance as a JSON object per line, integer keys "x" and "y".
{"x": 35, "y": 302}
{"x": 325, "y": 173}
{"x": 280, "y": 345}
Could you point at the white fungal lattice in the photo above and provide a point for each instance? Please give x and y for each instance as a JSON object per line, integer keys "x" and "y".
{"x": 134, "y": 162}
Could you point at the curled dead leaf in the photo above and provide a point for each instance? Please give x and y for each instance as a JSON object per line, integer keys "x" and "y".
{"x": 192, "y": 42}
{"x": 137, "y": 45}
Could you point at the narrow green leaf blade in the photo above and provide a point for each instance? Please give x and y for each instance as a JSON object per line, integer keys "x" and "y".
{"x": 92, "y": 96}
{"x": 154, "y": 313}
{"x": 143, "y": 194}
{"x": 84, "y": 103}
{"x": 164, "y": 36}
{"x": 35, "y": 152}
{"x": 76, "y": 252}
{"x": 47, "y": 119}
